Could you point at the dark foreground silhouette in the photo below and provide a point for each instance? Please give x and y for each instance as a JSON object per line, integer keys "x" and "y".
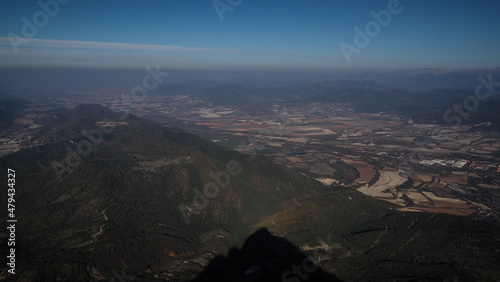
{"x": 264, "y": 257}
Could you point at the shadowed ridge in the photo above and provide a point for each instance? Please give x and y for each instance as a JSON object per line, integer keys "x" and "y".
{"x": 90, "y": 110}
{"x": 9, "y": 107}
{"x": 264, "y": 257}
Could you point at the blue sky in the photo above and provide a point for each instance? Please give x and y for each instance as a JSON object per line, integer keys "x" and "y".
{"x": 258, "y": 34}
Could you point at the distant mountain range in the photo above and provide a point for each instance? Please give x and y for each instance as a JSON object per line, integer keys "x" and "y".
{"x": 429, "y": 106}
{"x": 110, "y": 194}
{"x": 429, "y": 80}
{"x": 422, "y": 79}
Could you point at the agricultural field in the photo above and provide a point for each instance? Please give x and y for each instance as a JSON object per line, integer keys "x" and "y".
{"x": 379, "y": 155}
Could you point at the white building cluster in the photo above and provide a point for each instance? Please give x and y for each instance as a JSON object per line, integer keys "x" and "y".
{"x": 452, "y": 163}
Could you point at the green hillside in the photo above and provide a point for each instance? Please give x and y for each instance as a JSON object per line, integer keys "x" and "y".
{"x": 161, "y": 204}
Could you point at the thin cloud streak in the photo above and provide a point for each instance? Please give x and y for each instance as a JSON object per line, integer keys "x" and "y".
{"x": 112, "y": 46}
